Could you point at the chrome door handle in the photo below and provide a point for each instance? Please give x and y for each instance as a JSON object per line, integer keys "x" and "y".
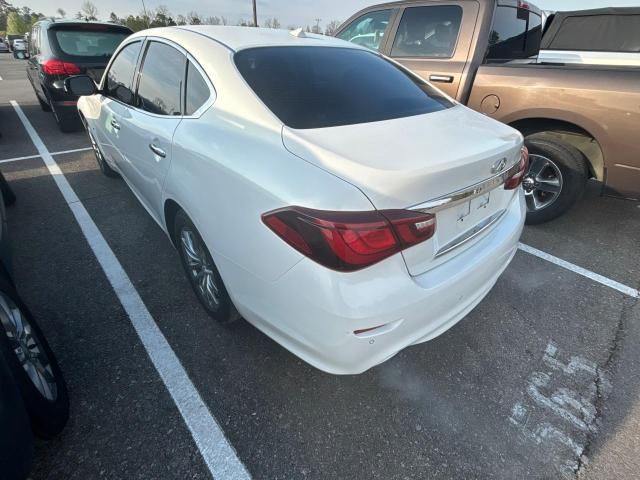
{"x": 441, "y": 78}
{"x": 157, "y": 150}
{"x": 115, "y": 125}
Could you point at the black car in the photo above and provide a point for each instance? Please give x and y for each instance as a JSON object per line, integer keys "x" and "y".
{"x": 61, "y": 48}
{"x": 33, "y": 394}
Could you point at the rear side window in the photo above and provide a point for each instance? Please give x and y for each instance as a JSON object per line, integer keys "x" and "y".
{"x": 161, "y": 80}
{"x": 428, "y": 32}
{"x": 516, "y": 34}
{"x": 88, "y": 43}
{"x": 316, "y": 87}
{"x": 120, "y": 74}
{"x": 197, "y": 90}
{"x": 367, "y": 30}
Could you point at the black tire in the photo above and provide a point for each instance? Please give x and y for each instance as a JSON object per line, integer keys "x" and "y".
{"x": 102, "y": 164}
{"x": 574, "y": 174}
{"x": 224, "y": 312}
{"x": 66, "y": 123}
{"x": 8, "y": 196}
{"x": 16, "y": 439}
{"x": 48, "y": 415}
{"x": 44, "y": 105}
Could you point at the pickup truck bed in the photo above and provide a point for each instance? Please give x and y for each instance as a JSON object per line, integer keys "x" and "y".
{"x": 579, "y": 121}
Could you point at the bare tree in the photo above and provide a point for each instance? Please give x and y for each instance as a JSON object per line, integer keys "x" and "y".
{"x": 272, "y": 23}
{"x": 224, "y": 21}
{"x": 181, "y": 20}
{"x": 89, "y": 10}
{"x": 61, "y": 12}
{"x": 332, "y": 27}
{"x": 212, "y": 21}
{"x": 193, "y": 18}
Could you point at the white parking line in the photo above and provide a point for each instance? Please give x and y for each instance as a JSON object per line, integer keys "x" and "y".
{"x": 62, "y": 152}
{"x": 218, "y": 454}
{"x": 17, "y": 159}
{"x": 632, "y": 292}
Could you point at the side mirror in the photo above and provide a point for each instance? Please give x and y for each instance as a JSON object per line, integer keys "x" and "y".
{"x": 80, "y": 85}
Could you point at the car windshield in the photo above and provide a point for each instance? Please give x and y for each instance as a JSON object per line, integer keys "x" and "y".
{"x": 317, "y": 87}
{"x": 89, "y": 43}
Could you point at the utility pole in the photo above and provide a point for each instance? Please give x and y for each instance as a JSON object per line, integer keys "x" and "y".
{"x": 146, "y": 16}
{"x": 255, "y": 14}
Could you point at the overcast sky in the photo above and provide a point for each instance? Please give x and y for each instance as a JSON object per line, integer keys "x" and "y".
{"x": 298, "y": 12}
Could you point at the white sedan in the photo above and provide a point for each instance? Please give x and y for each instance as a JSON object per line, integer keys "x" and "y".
{"x": 327, "y": 195}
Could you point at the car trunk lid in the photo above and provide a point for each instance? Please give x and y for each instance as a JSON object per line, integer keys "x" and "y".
{"x": 413, "y": 161}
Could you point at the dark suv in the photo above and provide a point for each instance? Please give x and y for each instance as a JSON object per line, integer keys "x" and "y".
{"x": 59, "y": 49}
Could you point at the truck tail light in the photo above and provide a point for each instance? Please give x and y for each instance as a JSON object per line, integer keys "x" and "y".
{"x": 516, "y": 179}
{"x": 348, "y": 241}
{"x": 58, "y": 67}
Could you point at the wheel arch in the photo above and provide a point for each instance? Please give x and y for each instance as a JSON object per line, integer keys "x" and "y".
{"x": 569, "y": 133}
{"x": 171, "y": 209}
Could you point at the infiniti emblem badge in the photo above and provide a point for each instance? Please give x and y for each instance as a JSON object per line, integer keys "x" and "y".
{"x": 499, "y": 165}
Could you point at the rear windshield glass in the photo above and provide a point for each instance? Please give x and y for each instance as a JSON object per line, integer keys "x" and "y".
{"x": 89, "y": 43}
{"x": 317, "y": 87}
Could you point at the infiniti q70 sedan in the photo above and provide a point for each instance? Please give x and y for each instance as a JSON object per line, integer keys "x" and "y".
{"x": 324, "y": 193}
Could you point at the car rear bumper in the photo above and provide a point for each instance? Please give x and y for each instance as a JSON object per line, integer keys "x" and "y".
{"x": 313, "y": 311}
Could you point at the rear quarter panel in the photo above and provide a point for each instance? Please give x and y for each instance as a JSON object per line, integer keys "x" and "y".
{"x": 604, "y": 102}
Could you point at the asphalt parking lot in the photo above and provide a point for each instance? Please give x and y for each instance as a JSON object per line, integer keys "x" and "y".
{"x": 541, "y": 380}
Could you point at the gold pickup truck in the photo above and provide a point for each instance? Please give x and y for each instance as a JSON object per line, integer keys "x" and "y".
{"x": 579, "y": 121}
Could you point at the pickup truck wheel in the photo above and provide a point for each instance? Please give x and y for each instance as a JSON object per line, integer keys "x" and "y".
{"x": 556, "y": 178}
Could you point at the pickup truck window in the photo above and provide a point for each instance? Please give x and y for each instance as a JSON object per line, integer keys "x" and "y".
{"x": 428, "y": 32}
{"x": 516, "y": 34}
{"x": 367, "y": 30}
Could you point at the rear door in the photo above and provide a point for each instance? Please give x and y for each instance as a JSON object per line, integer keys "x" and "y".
{"x": 433, "y": 39}
{"x": 147, "y": 131}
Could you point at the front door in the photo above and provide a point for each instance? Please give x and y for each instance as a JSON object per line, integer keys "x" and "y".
{"x": 147, "y": 131}
{"x": 434, "y": 41}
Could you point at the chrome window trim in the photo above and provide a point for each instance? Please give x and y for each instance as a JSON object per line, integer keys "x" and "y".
{"x": 468, "y": 193}
{"x": 140, "y": 63}
{"x": 103, "y": 80}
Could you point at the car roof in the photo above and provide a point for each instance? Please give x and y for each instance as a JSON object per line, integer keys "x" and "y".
{"x": 240, "y": 38}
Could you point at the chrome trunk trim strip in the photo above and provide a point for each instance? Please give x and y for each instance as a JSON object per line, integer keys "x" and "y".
{"x": 468, "y": 193}
{"x": 471, "y": 233}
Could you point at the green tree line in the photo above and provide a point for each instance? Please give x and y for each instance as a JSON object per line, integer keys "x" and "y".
{"x": 16, "y": 20}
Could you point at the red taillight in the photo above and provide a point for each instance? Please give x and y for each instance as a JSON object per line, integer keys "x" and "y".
{"x": 58, "y": 67}
{"x": 516, "y": 179}
{"x": 348, "y": 241}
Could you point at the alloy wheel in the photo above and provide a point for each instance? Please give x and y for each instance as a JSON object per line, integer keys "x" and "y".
{"x": 28, "y": 349}
{"x": 200, "y": 268}
{"x": 542, "y": 184}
